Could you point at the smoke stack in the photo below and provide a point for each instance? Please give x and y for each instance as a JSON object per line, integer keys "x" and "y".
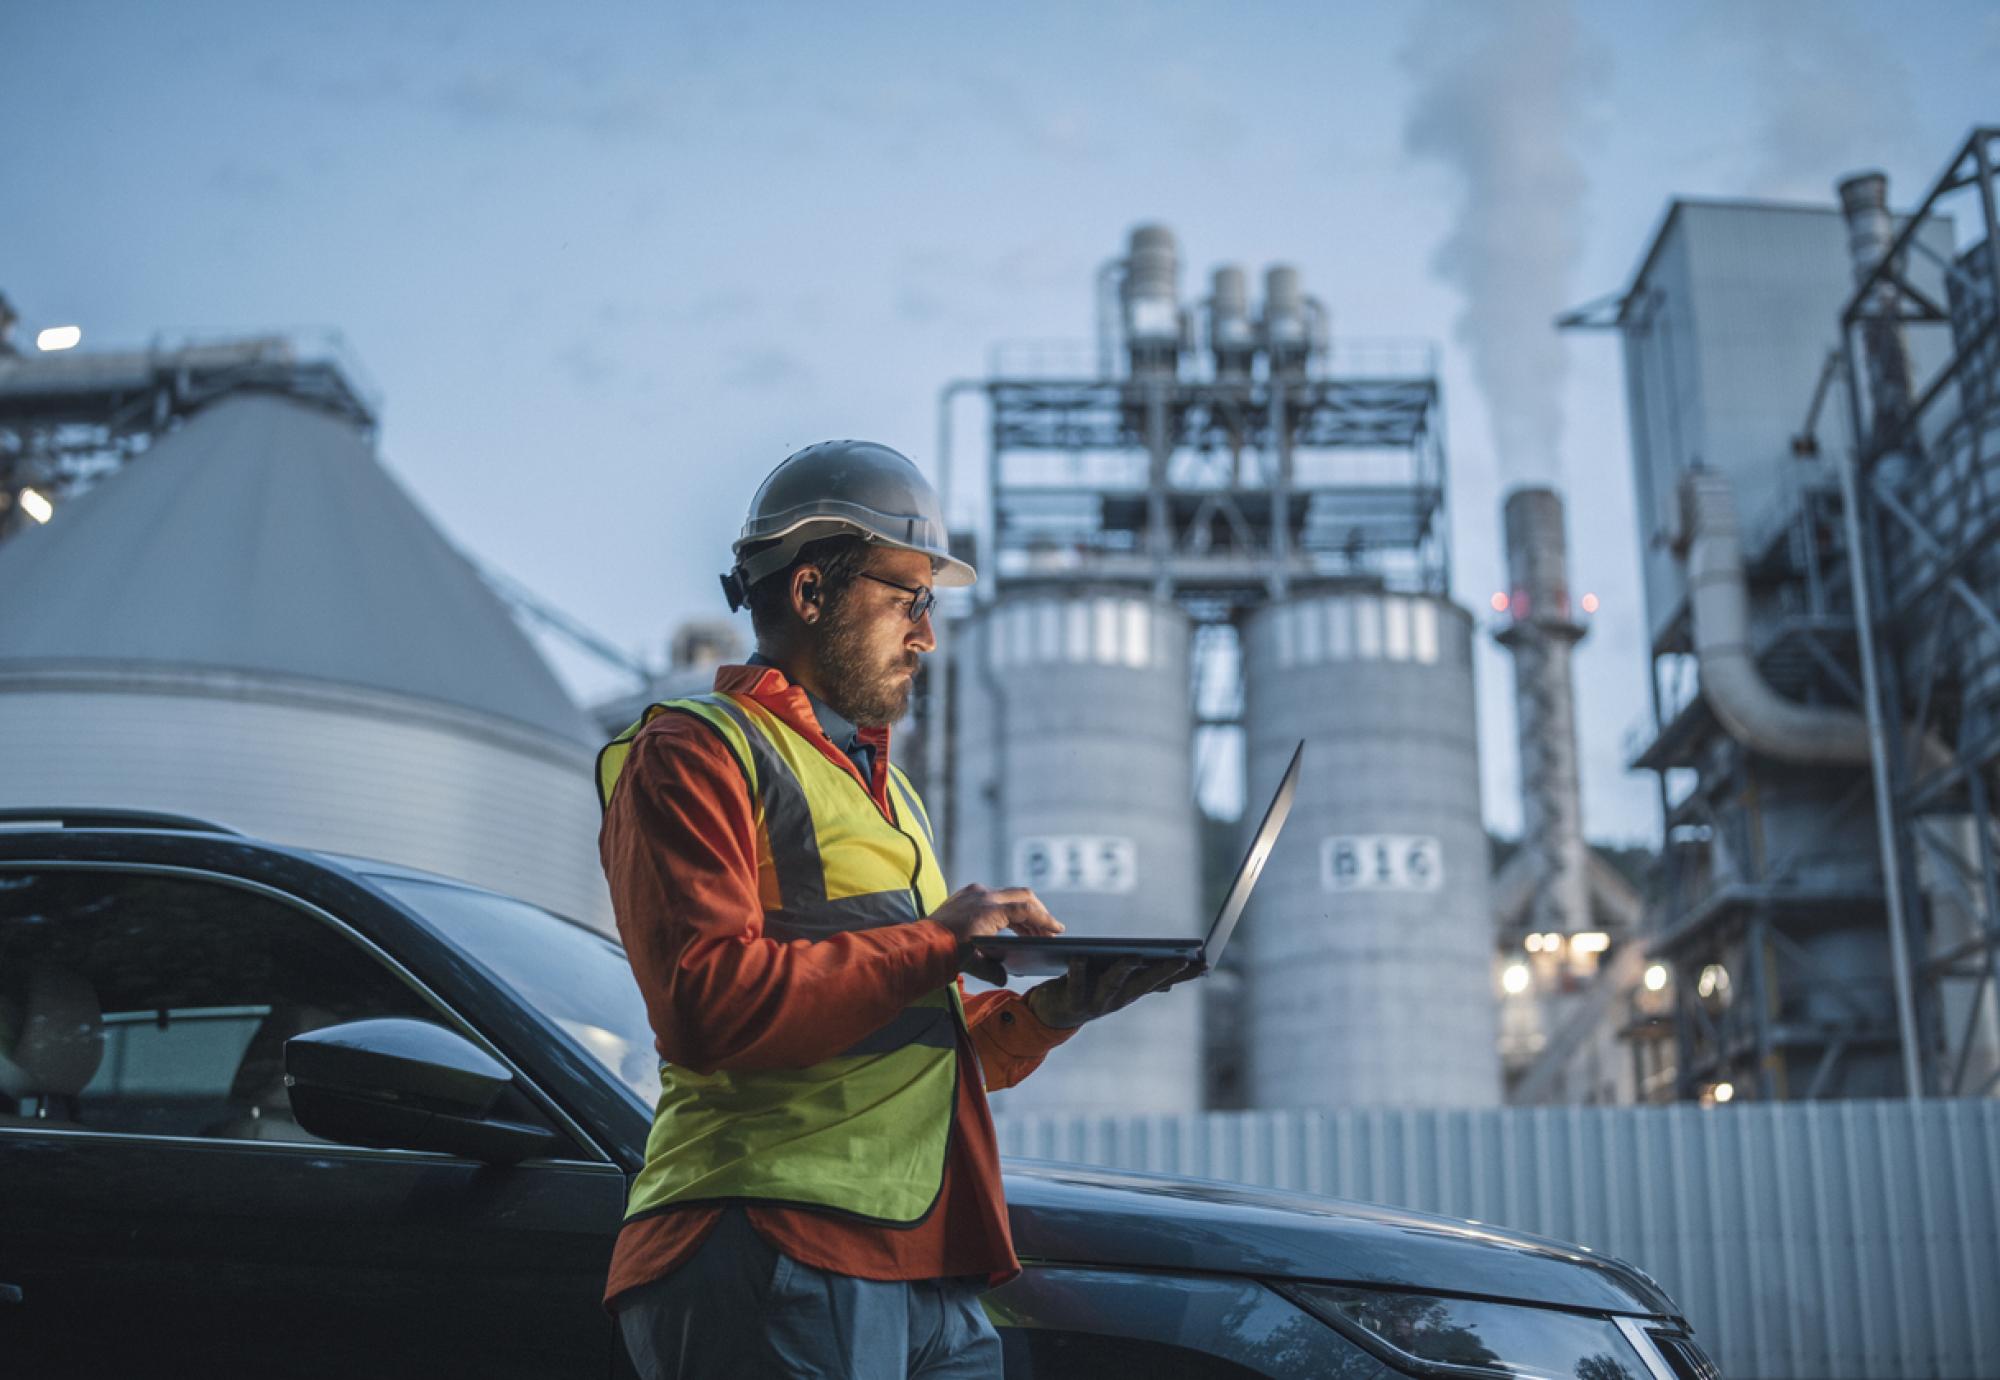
{"x": 1864, "y": 198}
{"x": 1288, "y": 324}
{"x": 1540, "y": 631}
{"x": 1230, "y": 335}
{"x": 1152, "y": 301}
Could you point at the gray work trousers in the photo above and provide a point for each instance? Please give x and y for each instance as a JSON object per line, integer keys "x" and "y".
{"x": 740, "y": 1309}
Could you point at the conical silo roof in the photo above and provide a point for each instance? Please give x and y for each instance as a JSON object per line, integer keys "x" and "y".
{"x": 264, "y": 537}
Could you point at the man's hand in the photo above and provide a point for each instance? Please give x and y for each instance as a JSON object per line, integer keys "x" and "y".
{"x": 1091, "y": 990}
{"x": 973, "y": 912}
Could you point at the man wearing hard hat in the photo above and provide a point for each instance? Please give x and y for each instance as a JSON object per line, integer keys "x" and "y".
{"x": 822, "y": 1193}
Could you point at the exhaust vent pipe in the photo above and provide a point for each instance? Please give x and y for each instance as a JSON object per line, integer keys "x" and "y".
{"x": 1754, "y": 714}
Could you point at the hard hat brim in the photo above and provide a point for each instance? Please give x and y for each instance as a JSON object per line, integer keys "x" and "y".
{"x": 950, "y": 572}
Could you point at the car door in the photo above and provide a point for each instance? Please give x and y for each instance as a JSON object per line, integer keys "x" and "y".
{"x": 160, "y": 1213}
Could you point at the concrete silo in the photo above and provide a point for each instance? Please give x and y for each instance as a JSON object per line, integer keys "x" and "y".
{"x": 251, "y": 623}
{"x": 1072, "y": 777}
{"x": 1148, "y": 520}
{"x": 1369, "y": 941}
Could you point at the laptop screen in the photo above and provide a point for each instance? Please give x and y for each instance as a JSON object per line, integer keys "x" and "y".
{"x": 1253, "y": 862}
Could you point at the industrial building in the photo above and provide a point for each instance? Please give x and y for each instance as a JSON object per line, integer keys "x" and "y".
{"x": 1817, "y": 466}
{"x": 219, "y": 604}
{"x": 1817, "y": 459}
{"x": 1224, "y": 528}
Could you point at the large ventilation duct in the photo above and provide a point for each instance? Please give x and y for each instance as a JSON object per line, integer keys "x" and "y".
{"x": 1754, "y": 714}
{"x": 1542, "y": 632}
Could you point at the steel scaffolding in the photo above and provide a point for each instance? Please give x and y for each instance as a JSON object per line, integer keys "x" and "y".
{"x": 1923, "y": 507}
{"x": 1220, "y": 494}
{"x": 1830, "y": 922}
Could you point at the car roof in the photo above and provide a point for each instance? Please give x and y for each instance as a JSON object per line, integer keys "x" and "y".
{"x": 30, "y": 818}
{"x": 74, "y": 820}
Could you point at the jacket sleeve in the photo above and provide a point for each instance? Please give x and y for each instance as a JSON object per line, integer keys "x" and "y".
{"x": 679, "y": 847}
{"x": 1010, "y": 1040}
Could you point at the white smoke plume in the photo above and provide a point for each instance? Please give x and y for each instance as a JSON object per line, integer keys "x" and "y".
{"x": 1500, "y": 96}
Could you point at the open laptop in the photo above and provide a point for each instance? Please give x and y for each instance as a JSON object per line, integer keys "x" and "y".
{"x": 1030, "y": 956}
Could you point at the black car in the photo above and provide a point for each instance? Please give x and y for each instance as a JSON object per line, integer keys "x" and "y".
{"x": 480, "y": 1072}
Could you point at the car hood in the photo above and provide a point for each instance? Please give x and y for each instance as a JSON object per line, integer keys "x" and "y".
{"x": 1075, "y": 1215}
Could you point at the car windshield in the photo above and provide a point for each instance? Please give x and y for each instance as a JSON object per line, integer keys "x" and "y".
{"x": 577, "y": 979}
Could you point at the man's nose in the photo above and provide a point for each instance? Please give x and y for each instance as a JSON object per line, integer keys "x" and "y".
{"x": 923, "y": 638}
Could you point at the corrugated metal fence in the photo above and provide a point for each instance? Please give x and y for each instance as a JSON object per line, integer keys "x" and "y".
{"x": 1807, "y": 1241}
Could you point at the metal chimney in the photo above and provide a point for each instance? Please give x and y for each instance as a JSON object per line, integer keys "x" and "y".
{"x": 1864, "y": 198}
{"x": 1287, "y": 325}
{"x": 1151, "y": 299}
{"x": 1230, "y": 335}
{"x": 1540, "y": 630}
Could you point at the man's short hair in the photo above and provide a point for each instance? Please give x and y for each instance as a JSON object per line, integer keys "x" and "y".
{"x": 840, "y": 560}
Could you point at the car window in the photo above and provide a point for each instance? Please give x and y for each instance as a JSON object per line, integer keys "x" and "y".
{"x": 159, "y": 1005}
{"x": 579, "y": 980}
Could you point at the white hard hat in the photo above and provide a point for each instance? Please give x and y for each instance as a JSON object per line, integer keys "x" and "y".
{"x": 836, "y": 487}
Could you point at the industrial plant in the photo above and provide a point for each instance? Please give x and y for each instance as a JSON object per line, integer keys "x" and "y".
{"x": 1217, "y": 526}
{"x": 1817, "y": 469}
{"x": 1804, "y": 980}
{"x": 1213, "y": 533}
{"x": 1223, "y": 525}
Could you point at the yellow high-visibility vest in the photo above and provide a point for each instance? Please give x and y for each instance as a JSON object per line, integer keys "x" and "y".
{"x": 865, "y": 1130}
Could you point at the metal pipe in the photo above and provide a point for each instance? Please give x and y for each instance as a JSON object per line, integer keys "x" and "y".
{"x": 1878, "y": 754}
{"x": 1864, "y": 200}
{"x": 1159, "y": 451}
{"x": 1718, "y": 598}
{"x": 1108, "y": 297}
{"x": 937, "y": 761}
{"x": 1003, "y": 769}
{"x": 1989, "y": 214}
{"x": 1281, "y": 488}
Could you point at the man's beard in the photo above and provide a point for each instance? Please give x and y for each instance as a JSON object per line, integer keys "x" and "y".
{"x": 861, "y": 690}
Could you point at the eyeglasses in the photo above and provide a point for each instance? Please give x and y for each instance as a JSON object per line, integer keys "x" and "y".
{"x": 921, "y": 596}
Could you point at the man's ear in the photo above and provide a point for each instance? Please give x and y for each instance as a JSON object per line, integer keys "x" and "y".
{"x": 806, "y": 596}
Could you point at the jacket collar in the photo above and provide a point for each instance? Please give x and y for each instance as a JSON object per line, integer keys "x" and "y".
{"x": 772, "y": 689}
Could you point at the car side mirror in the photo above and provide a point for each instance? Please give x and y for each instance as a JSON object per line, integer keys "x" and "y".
{"x": 401, "y": 1084}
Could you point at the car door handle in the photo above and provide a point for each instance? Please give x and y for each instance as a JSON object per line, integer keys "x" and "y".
{"x": 10, "y": 1293}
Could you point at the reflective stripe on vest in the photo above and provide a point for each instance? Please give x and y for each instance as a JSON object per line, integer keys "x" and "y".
{"x": 864, "y": 1131}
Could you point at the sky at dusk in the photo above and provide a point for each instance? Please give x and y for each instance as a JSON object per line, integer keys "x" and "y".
{"x": 607, "y": 264}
